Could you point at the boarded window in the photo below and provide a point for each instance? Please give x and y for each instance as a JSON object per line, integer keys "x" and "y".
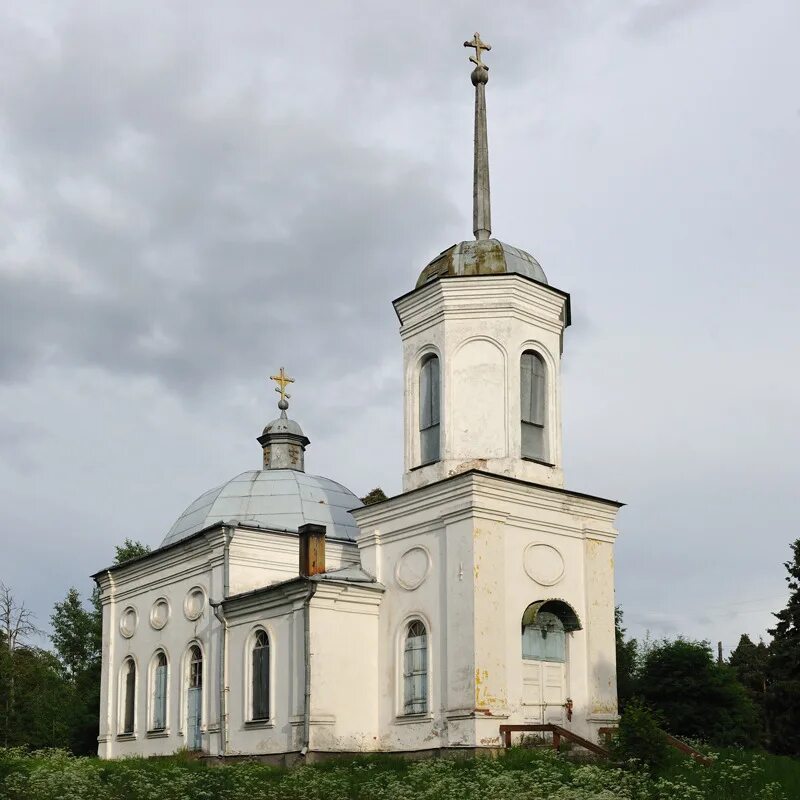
{"x": 532, "y": 401}
{"x": 160, "y": 693}
{"x": 415, "y": 669}
{"x": 129, "y": 696}
{"x": 260, "y": 687}
{"x": 429, "y": 410}
{"x": 545, "y": 639}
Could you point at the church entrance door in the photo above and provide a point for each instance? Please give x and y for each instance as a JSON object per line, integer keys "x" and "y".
{"x": 544, "y": 669}
{"x": 543, "y": 691}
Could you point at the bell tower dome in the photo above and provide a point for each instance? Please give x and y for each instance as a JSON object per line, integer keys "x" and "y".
{"x": 482, "y": 339}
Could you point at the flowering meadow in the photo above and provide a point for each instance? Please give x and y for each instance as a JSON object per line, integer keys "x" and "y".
{"x": 517, "y": 775}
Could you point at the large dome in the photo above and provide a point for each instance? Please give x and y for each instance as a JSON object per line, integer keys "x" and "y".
{"x": 482, "y": 257}
{"x": 281, "y": 499}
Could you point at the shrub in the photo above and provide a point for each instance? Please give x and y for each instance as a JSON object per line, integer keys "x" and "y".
{"x": 639, "y": 737}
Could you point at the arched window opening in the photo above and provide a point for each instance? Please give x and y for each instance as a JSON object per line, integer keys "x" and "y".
{"x": 545, "y": 625}
{"x": 260, "y": 677}
{"x": 532, "y": 397}
{"x": 429, "y": 410}
{"x": 194, "y": 699}
{"x": 159, "y": 715}
{"x": 128, "y": 683}
{"x": 545, "y": 639}
{"x": 415, "y": 669}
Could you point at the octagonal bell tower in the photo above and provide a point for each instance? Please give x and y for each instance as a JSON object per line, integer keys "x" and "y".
{"x": 482, "y": 339}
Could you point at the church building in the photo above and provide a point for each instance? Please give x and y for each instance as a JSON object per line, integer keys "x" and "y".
{"x": 281, "y": 617}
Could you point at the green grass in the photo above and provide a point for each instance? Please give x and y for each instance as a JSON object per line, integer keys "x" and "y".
{"x": 519, "y": 774}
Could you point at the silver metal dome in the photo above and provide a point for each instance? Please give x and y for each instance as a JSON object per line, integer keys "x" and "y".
{"x": 482, "y": 257}
{"x": 281, "y": 499}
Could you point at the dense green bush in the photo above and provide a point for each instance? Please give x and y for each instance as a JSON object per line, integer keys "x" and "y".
{"x": 696, "y": 696}
{"x": 639, "y": 737}
{"x": 517, "y": 775}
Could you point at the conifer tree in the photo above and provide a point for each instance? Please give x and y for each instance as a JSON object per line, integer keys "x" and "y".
{"x": 783, "y": 672}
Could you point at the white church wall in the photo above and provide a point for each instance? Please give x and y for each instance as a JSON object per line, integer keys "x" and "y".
{"x": 186, "y": 578}
{"x": 259, "y": 558}
{"x": 344, "y": 668}
{"x": 282, "y": 619}
{"x": 495, "y": 547}
{"x": 480, "y": 373}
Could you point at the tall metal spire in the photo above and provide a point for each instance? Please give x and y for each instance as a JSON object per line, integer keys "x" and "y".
{"x": 481, "y": 206}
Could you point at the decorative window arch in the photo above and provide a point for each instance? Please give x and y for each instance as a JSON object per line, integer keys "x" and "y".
{"x": 415, "y": 668}
{"x": 260, "y": 677}
{"x": 429, "y": 409}
{"x": 194, "y": 697}
{"x": 159, "y": 674}
{"x": 127, "y": 690}
{"x": 545, "y": 625}
{"x": 533, "y": 410}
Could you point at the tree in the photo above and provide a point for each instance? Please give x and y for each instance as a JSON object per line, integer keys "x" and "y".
{"x": 77, "y": 638}
{"x": 130, "y": 549}
{"x": 627, "y": 656}
{"x": 16, "y": 628}
{"x": 750, "y": 662}
{"x": 695, "y": 695}
{"x": 74, "y": 635}
{"x": 783, "y": 669}
{"x": 377, "y": 495}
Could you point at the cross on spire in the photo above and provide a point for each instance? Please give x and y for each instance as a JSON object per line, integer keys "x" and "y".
{"x": 481, "y": 207}
{"x": 478, "y": 45}
{"x": 282, "y": 379}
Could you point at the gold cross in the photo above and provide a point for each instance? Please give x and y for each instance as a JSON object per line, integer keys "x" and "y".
{"x": 282, "y": 379}
{"x": 478, "y": 45}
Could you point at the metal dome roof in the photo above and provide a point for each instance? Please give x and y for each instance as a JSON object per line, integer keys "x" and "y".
{"x": 281, "y": 499}
{"x": 482, "y": 257}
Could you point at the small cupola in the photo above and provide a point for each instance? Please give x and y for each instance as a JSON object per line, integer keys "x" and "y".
{"x": 283, "y": 440}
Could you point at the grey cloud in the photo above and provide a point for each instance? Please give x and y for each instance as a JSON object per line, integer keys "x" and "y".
{"x": 187, "y": 239}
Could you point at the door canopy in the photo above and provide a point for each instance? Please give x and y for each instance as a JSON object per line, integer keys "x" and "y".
{"x": 562, "y": 609}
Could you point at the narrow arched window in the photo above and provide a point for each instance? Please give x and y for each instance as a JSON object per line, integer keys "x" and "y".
{"x": 415, "y": 669}
{"x": 532, "y": 397}
{"x": 159, "y": 718}
{"x": 128, "y": 685}
{"x": 429, "y": 410}
{"x": 260, "y": 677}
{"x": 194, "y": 699}
{"x": 544, "y": 639}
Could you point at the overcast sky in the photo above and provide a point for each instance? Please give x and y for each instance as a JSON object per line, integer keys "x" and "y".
{"x": 194, "y": 194}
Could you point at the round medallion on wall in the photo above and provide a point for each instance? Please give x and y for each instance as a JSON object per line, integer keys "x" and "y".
{"x": 195, "y": 603}
{"x": 543, "y": 563}
{"x": 127, "y": 622}
{"x": 413, "y": 568}
{"x": 159, "y": 613}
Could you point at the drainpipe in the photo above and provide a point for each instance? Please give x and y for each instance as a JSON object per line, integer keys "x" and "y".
{"x": 223, "y": 647}
{"x": 307, "y": 652}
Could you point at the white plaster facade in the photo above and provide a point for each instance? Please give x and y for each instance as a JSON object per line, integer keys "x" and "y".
{"x": 475, "y": 539}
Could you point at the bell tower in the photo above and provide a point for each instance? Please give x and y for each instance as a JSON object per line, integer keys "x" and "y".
{"x": 482, "y": 339}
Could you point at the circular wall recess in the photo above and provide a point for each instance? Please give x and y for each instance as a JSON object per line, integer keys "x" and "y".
{"x": 128, "y": 621}
{"x": 159, "y": 613}
{"x": 195, "y": 603}
{"x": 413, "y": 568}
{"x": 543, "y": 563}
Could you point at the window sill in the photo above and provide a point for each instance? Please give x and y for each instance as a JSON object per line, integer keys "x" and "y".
{"x": 126, "y": 737}
{"x": 158, "y": 733}
{"x": 258, "y": 723}
{"x": 426, "y": 464}
{"x": 409, "y": 719}
{"x": 537, "y": 461}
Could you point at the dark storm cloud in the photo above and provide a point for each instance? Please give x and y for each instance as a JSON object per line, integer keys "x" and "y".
{"x": 175, "y": 234}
